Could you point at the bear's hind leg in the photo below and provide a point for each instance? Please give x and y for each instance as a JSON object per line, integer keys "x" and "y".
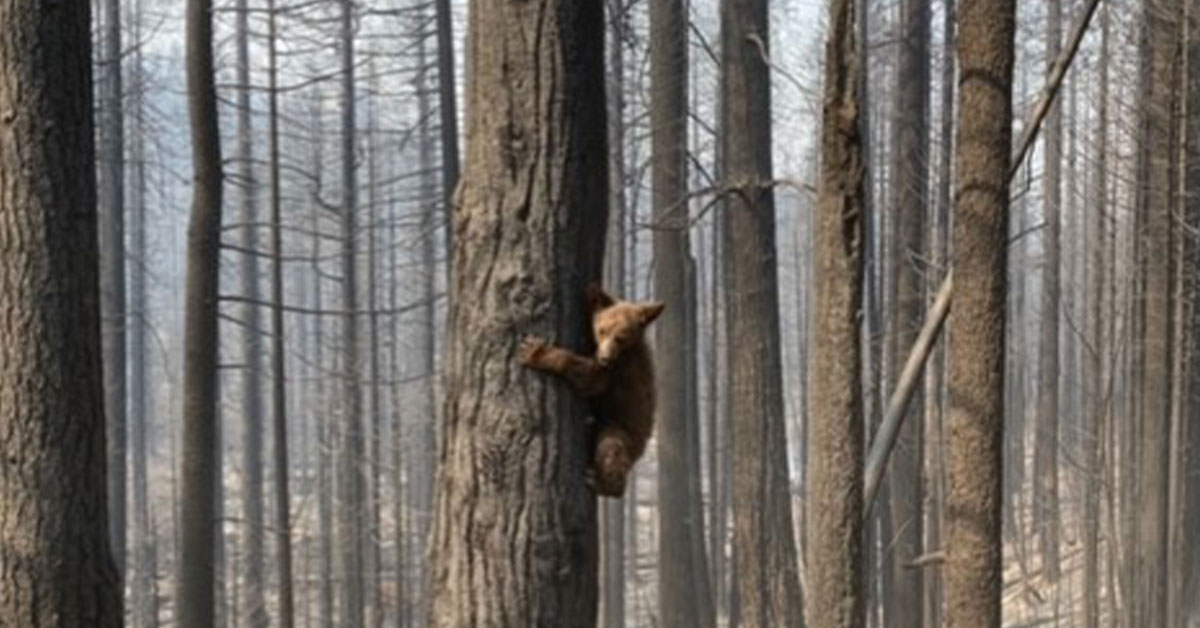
{"x": 612, "y": 464}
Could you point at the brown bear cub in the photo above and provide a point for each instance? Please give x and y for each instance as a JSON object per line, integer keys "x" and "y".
{"x": 618, "y": 380}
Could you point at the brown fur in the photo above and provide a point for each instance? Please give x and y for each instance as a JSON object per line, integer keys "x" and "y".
{"x": 619, "y": 380}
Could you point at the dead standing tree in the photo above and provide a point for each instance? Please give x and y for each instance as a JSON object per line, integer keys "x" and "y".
{"x": 514, "y": 540}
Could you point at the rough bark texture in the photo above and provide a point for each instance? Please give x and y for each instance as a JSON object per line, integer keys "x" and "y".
{"x": 515, "y": 524}
{"x": 56, "y": 570}
{"x": 195, "y": 591}
{"x": 976, "y": 325}
{"x": 680, "y": 600}
{"x": 835, "y": 447}
{"x": 1156, "y": 188}
{"x": 764, "y": 543}
{"x": 1045, "y": 457}
{"x": 909, "y": 188}
{"x": 111, "y": 188}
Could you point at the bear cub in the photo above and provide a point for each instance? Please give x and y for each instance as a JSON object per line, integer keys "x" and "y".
{"x": 618, "y": 381}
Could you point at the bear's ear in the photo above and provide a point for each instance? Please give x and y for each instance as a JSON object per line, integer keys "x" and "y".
{"x": 650, "y": 311}
{"x": 597, "y": 298}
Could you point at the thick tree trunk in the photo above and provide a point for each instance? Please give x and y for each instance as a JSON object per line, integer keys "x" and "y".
{"x": 681, "y": 602}
{"x": 1156, "y": 184}
{"x": 835, "y": 554}
{"x": 195, "y": 592}
{"x": 764, "y": 542}
{"x": 56, "y": 569}
{"x": 976, "y": 325}
{"x": 514, "y": 539}
{"x": 909, "y": 198}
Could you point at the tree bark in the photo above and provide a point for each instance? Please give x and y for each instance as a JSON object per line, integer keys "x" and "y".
{"x": 835, "y": 555}
{"x": 976, "y": 325}
{"x": 111, "y": 188}
{"x": 514, "y": 540}
{"x": 681, "y": 601}
{"x": 56, "y": 566}
{"x": 764, "y": 543}
{"x": 253, "y": 604}
{"x": 195, "y": 593}
{"x": 350, "y": 485}
{"x": 283, "y": 526}
{"x": 910, "y": 183}
{"x": 1156, "y": 185}
{"x": 1046, "y": 441}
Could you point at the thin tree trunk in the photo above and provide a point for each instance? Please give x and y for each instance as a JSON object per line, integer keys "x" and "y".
{"x": 283, "y": 526}
{"x": 612, "y": 512}
{"x": 195, "y": 592}
{"x": 1046, "y": 442}
{"x": 142, "y": 574}
{"x": 681, "y": 603}
{"x": 254, "y": 604}
{"x": 111, "y": 188}
{"x": 350, "y": 485}
{"x": 1099, "y": 399}
{"x": 514, "y": 540}
{"x": 976, "y": 325}
{"x": 764, "y": 542}
{"x": 448, "y": 112}
{"x": 56, "y": 566}
{"x": 910, "y": 165}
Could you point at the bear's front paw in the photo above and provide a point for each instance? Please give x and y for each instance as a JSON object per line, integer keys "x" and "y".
{"x": 531, "y": 350}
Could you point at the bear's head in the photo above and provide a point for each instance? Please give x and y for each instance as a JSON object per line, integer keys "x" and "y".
{"x": 618, "y": 325}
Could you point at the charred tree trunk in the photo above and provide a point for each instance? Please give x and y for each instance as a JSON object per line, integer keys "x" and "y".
{"x": 976, "y": 325}
{"x": 836, "y": 595}
{"x": 514, "y": 540}
{"x": 56, "y": 569}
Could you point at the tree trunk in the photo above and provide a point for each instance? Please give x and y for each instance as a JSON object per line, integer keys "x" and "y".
{"x": 909, "y": 255}
{"x": 1098, "y": 389}
{"x": 835, "y": 458}
{"x": 195, "y": 594}
{"x": 1046, "y": 443}
{"x": 681, "y": 603}
{"x": 56, "y": 569}
{"x": 350, "y": 486}
{"x": 283, "y": 526}
{"x": 142, "y": 574}
{"x": 254, "y": 612}
{"x": 764, "y": 543}
{"x": 612, "y": 512}
{"x": 514, "y": 540}
{"x": 976, "y": 325}
{"x": 111, "y": 188}
{"x": 448, "y": 112}
{"x": 1156, "y": 189}
{"x": 424, "y": 350}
